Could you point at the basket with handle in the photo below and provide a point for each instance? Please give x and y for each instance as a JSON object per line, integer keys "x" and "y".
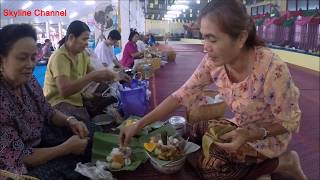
{"x": 7, "y": 174}
{"x": 196, "y": 112}
{"x": 155, "y": 62}
{"x": 171, "y": 55}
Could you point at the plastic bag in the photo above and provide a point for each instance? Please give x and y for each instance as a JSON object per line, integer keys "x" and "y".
{"x": 134, "y": 99}
{"x": 94, "y": 171}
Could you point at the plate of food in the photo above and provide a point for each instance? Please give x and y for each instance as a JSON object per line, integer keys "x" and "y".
{"x": 106, "y": 148}
{"x": 167, "y": 152}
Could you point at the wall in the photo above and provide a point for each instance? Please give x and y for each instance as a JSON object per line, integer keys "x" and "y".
{"x": 281, "y": 3}
{"x": 131, "y": 16}
{"x": 161, "y": 27}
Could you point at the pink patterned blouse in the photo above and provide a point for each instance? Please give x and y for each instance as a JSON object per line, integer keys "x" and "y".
{"x": 267, "y": 95}
{"x": 127, "y": 59}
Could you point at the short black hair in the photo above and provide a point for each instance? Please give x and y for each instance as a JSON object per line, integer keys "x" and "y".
{"x": 10, "y": 34}
{"x": 114, "y": 35}
{"x": 47, "y": 40}
{"x": 132, "y": 33}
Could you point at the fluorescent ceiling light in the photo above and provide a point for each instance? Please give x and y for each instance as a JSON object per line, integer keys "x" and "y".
{"x": 38, "y": 28}
{"x": 47, "y": 8}
{"x": 181, "y": 2}
{"x": 167, "y": 19}
{"x": 178, "y": 7}
{"x": 52, "y": 29}
{"x": 170, "y": 16}
{"x": 26, "y": 5}
{"x": 174, "y": 12}
{"x": 89, "y": 2}
{"x": 73, "y": 15}
{"x": 198, "y": 1}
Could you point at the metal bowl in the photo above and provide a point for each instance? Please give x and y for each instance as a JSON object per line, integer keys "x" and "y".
{"x": 169, "y": 168}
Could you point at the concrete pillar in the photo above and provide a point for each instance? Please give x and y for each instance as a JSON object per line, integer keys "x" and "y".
{"x": 124, "y": 22}
{"x": 60, "y": 30}
{"x": 47, "y": 30}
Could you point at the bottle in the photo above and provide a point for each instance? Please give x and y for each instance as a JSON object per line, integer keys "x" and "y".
{"x": 147, "y": 71}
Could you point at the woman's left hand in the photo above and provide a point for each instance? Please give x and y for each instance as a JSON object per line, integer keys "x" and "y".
{"x": 78, "y": 127}
{"x": 235, "y": 139}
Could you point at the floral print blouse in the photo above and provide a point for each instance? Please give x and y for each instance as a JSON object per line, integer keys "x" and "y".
{"x": 267, "y": 95}
{"x": 21, "y": 122}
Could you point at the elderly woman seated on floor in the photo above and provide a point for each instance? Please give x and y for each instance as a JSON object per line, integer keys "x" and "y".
{"x": 27, "y": 144}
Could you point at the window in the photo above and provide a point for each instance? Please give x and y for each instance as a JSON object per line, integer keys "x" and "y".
{"x": 302, "y": 4}
{"x": 260, "y": 9}
{"x": 267, "y": 8}
{"x": 254, "y": 11}
{"x": 313, "y": 4}
{"x": 295, "y": 5}
{"x": 292, "y": 5}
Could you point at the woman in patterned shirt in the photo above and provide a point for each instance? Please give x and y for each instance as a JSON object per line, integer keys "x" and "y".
{"x": 257, "y": 87}
{"x": 27, "y": 144}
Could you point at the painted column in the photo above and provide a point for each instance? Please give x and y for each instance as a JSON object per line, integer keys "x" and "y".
{"x": 47, "y": 30}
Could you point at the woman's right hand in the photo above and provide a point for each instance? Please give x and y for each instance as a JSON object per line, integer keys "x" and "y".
{"x": 75, "y": 145}
{"x": 127, "y": 133}
{"x": 103, "y": 75}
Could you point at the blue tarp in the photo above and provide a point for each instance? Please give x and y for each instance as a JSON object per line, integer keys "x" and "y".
{"x": 39, "y": 73}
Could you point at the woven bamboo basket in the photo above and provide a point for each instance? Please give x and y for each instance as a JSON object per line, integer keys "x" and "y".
{"x": 171, "y": 56}
{"x": 7, "y": 175}
{"x": 205, "y": 112}
{"x": 155, "y": 62}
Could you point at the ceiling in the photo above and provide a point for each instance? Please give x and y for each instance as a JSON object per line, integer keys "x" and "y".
{"x": 156, "y": 9}
{"x": 84, "y": 9}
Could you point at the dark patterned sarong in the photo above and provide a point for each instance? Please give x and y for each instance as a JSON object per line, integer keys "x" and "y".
{"x": 61, "y": 168}
{"x": 232, "y": 169}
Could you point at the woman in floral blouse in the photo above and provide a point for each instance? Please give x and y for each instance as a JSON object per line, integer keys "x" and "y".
{"x": 27, "y": 122}
{"x": 257, "y": 87}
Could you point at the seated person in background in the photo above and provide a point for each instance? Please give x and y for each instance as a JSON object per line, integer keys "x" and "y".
{"x": 258, "y": 88}
{"x": 140, "y": 44}
{"x": 27, "y": 142}
{"x": 105, "y": 50}
{"x": 166, "y": 37}
{"x": 130, "y": 51}
{"x": 69, "y": 71}
{"x": 47, "y": 51}
{"x": 151, "y": 40}
{"x": 39, "y": 52}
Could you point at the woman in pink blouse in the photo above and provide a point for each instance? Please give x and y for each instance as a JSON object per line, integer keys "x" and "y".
{"x": 130, "y": 51}
{"x": 257, "y": 87}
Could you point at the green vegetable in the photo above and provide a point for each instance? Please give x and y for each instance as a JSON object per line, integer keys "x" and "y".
{"x": 164, "y": 136}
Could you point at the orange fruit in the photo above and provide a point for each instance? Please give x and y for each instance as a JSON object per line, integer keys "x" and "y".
{"x": 149, "y": 146}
